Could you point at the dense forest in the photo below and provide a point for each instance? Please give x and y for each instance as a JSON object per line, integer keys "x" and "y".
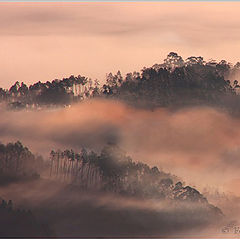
{"x": 17, "y": 163}
{"x": 174, "y": 83}
{"x": 113, "y": 171}
{"x": 58, "y": 92}
{"x": 109, "y": 171}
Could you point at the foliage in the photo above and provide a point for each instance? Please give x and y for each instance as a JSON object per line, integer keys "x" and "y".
{"x": 18, "y": 163}
{"x": 112, "y": 170}
{"x": 177, "y": 84}
{"x": 174, "y": 83}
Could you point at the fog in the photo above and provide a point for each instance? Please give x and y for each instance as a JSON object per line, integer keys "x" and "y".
{"x": 200, "y": 145}
{"x": 72, "y": 213}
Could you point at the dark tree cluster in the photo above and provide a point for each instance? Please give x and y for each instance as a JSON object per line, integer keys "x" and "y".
{"x": 57, "y": 92}
{"x": 178, "y": 83}
{"x": 19, "y": 223}
{"x": 18, "y": 163}
{"x": 113, "y": 171}
{"x": 174, "y": 83}
{"x": 77, "y": 168}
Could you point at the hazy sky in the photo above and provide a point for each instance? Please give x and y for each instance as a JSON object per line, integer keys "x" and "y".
{"x": 44, "y": 41}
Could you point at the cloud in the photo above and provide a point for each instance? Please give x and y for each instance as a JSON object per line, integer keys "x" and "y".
{"x": 44, "y": 41}
{"x": 183, "y": 19}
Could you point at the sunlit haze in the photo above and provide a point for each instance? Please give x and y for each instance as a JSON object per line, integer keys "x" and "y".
{"x": 45, "y": 41}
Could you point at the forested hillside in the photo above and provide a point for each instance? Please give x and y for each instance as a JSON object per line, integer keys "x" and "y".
{"x": 17, "y": 163}
{"x": 115, "y": 172}
{"x": 174, "y": 83}
{"x": 110, "y": 171}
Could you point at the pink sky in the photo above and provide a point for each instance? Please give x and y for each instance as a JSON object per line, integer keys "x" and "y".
{"x": 44, "y": 41}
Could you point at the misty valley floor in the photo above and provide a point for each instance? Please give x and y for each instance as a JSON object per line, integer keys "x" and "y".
{"x": 75, "y": 214}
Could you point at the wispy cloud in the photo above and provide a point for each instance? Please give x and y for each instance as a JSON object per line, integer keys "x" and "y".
{"x": 44, "y": 41}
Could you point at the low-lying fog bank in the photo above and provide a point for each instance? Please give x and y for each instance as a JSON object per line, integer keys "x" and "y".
{"x": 73, "y": 213}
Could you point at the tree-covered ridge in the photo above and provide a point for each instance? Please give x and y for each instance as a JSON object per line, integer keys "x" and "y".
{"x": 178, "y": 83}
{"x": 57, "y": 92}
{"x": 18, "y": 163}
{"x": 113, "y": 171}
{"x": 110, "y": 170}
{"x": 175, "y": 82}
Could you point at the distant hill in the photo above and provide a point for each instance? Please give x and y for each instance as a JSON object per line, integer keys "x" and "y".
{"x": 174, "y": 83}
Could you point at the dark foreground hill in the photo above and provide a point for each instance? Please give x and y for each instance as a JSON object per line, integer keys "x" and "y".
{"x": 74, "y": 213}
{"x": 18, "y": 223}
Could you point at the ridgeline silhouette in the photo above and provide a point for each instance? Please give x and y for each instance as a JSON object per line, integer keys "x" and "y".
{"x": 174, "y": 83}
